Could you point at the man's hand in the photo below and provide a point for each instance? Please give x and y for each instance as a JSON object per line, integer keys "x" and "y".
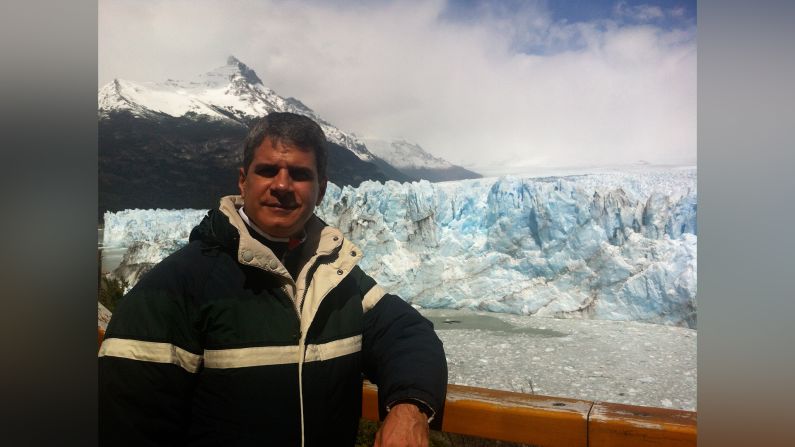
{"x": 405, "y": 425}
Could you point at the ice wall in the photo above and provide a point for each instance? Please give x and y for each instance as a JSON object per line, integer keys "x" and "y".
{"x": 619, "y": 246}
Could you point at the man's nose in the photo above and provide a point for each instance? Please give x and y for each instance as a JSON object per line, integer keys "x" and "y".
{"x": 283, "y": 181}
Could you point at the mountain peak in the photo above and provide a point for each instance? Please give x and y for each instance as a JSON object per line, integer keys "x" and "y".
{"x": 247, "y": 73}
{"x": 231, "y": 92}
{"x": 404, "y": 154}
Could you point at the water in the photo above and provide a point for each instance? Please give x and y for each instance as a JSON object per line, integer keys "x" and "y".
{"x": 610, "y": 361}
{"x": 110, "y": 257}
{"x": 444, "y": 319}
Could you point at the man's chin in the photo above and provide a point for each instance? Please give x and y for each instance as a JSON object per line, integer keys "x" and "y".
{"x": 278, "y": 226}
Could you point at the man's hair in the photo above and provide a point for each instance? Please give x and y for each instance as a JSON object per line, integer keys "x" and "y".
{"x": 291, "y": 128}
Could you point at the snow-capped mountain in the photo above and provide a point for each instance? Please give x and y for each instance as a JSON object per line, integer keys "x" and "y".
{"x": 177, "y": 144}
{"x": 402, "y": 154}
{"x": 414, "y": 161}
{"x": 232, "y": 92}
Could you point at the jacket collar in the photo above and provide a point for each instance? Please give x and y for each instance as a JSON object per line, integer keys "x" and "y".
{"x": 321, "y": 240}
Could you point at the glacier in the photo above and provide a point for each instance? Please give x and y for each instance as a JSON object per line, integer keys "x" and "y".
{"x": 607, "y": 245}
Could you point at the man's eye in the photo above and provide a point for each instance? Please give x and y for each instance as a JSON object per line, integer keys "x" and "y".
{"x": 266, "y": 171}
{"x": 301, "y": 175}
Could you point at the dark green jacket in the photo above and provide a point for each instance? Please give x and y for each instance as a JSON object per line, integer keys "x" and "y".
{"x": 217, "y": 345}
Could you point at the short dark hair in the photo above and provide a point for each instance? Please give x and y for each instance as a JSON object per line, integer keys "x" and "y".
{"x": 297, "y": 130}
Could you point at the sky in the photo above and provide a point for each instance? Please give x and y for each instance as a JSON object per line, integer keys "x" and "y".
{"x": 499, "y": 87}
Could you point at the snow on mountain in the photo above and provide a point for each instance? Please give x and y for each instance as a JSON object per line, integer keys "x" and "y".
{"x": 232, "y": 92}
{"x": 412, "y": 160}
{"x": 402, "y": 154}
{"x": 618, "y": 246}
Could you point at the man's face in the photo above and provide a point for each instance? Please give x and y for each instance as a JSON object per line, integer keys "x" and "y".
{"x": 281, "y": 188}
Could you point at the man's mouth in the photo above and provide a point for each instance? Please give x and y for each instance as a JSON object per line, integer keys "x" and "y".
{"x": 281, "y": 206}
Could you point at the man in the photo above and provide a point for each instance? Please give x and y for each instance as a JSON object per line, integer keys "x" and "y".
{"x": 259, "y": 330}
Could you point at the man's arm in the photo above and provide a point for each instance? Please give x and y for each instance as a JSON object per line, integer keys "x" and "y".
{"x": 147, "y": 365}
{"x": 405, "y": 425}
{"x": 402, "y": 355}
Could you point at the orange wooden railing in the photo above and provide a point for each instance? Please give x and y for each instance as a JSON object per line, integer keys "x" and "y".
{"x": 546, "y": 421}
{"x": 553, "y": 421}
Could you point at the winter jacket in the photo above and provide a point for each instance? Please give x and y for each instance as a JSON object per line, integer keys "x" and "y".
{"x": 218, "y": 345}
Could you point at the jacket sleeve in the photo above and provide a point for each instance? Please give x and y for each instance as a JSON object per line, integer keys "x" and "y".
{"x": 402, "y": 354}
{"x": 148, "y": 363}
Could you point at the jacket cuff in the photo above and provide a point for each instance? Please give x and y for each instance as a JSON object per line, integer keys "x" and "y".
{"x": 423, "y": 406}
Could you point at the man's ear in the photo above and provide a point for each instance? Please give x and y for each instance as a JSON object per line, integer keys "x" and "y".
{"x": 323, "y": 184}
{"x": 241, "y": 180}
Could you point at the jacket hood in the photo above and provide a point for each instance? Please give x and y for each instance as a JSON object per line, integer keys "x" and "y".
{"x": 214, "y": 230}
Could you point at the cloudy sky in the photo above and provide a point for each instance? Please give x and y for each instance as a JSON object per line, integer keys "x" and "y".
{"x": 496, "y": 86}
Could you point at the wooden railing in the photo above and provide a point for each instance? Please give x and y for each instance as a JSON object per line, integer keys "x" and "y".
{"x": 551, "y": 421}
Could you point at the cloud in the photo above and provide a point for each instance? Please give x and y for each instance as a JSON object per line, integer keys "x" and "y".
{"x": 645, "y": 13}
{"x": 487, "y": 88}
{"x": 642, "y": 13}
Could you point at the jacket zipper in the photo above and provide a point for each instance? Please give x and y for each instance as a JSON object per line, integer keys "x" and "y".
{"x": 302, "y": 339}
